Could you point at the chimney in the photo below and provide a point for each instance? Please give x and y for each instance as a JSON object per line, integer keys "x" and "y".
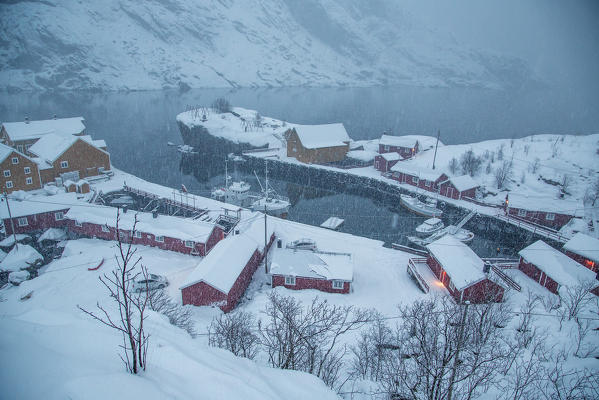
{"x": 154, "y": 214}
{"x": 487, "y": 267}
{"x": 279, "y": 244}
{"x": 54, "y": 116}
{"x": 124, "y": 209}
{"x": 26, "y": 120}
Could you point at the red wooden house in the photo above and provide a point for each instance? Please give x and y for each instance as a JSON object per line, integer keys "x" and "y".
{"x": 168, "y": 233}
{"x": 458, "y": 187}
{"x": 384, "y": 162}
{"x": 553, "y": 213}
{"x": 306, "y": 269}
{"x": 406, "y": 146}
{"x": 585, "y": 250}
{"x": 420, "y": 177}
{"x": 222, "y": 277}
{"x": 551, "y": 268}
{"x": 462, "y": 272}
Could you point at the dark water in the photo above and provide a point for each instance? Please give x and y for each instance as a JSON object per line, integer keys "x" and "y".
{"x": 137, "y": 125}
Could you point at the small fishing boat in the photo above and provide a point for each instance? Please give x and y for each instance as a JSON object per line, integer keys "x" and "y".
{"x": 270, "y": 202}
{"x": 429, "y": 227}
{"x": 236, "y": 192}
{"x": 426, "y": 209}
{"x": 460, "y": 234}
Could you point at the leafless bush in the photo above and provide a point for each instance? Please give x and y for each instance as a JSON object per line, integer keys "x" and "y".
{"x": 503, "y": 173}
{"x": 500, "y": 152}
{"x": 131, "y": 305}
{"x": 583, "y": 328}
{"x": 221, "y": 105}
{"x": 177, "y": 314}
{"x": 573, "y": 299}
{"x": 534, "y": 166}
{"x": 235, "y": 332}
{"x": 560, "y": 383}
{"x": 525, "y": 332}
{"x": 371, "y": 350}
{"x": 565, "y": 183}
{"x": 453, "y": 165}
{"x": 526, "y": 149}
{"x": 524, "y": 373}
{"x": 488, "y": 168}
{"x": 470, "y": 163}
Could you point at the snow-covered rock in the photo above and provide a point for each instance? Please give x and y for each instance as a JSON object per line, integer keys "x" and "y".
{"x": 20, "y": 257}
{"x": 18, "y": 277}
{"x": 123, "y": 45}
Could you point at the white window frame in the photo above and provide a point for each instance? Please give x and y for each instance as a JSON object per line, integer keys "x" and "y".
{"x": 339, "y": 285}
{"x": 15, "y": 160}
{"x": 29, "y": 180}
{"x": 59, "y": 215}
{"x": 427, "y": 183}
{"x": 9, "y": 184}
{"x": 386, "y": 147}
{"x": 451, "y": 285}
{"x": 521, "y": 212}
{"x": 137, "y": 235}
{"x": 27, "y": 147}
{"x": 7, "y": 173}
{"x": 289, "y": 280}
{"x": 64, "y": 164}
{"x": 105, "y": 228}
{"x": 550, "y": 216}
{"x": 190, "y": 244}
{"x": 23, "y": 221}
{"x": 27, "y": 170}
{"x": 415, "y": 180}
{"x": 79, "y": 224}
{"x": 20, "y": 148}
{"x": 159, "y": 238}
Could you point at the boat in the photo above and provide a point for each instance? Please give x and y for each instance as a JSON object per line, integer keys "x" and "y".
{"x": 236, "y": 192}
{"x": 270, "y": 202}
{"x": 461, "y": 234}
{"x": 429, "y": 227}
{"x": 186, "y": 149}
{"x": 426, "y": 209}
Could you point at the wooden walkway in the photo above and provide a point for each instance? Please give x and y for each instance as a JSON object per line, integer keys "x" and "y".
{"x": 187, "y": 206}
{"x": 534, "y": 228}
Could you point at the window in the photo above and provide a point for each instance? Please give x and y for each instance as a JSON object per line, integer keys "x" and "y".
{"x": 8, "y": 184}
{"x": 189, "y": 243}
{"x": 550, "y": 216}
{"x": 6, "y": 173}
{"x": 521, "y": 213}
{"x": 59, "y": 216}
{"x": 20, "y": 147}
{"x": 64, "y": 164}
{"x": 451, "y": 286}
{"x": 105, "y": 229}
{"x": 79, "y": 224}
{"x": 15, "y": 160}
{"x": 27, "y": 170}
{"x": 159, "y": 238}
{"x": 137, "y": 234}
{"x": 29, "y": 180}
{"x": 385, "y": 148}
{"x": 427, "y": 183}
{"x": 415, "y": 179}
{"x": 23, "y": 221}
{"x": 290, "y": 280}
{"x": 337, "y": 284}
{"x": 27, "y": 147}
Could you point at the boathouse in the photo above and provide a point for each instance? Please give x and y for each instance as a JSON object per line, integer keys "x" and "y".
{"x": 305, "y": 269}
{"x": 458, "y": 187}
{"x": 317, "y": 144}
{"x": 584, "y": 249}
{"x": 178, "y": 234}
{"x": 462, "y": 272}
{"x": 552, "y": 269}
{"x": 29, "y": 215}
{"x": 420, "y": 177}
{"x": 406, "y": 146}
{"x": 21, "y": 135}
{"x": 222, "y": 277}
{"x": 541, "y": 210}
{"x": 19, "y": 172}
{"x": 384, "y": 162}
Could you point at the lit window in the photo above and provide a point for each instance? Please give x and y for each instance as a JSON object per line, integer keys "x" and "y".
{"x": 189, "y": 243}
{"x": 29, "y": 180}
{"x": 6, "y": 173}
{"x": 23, "y": 221}
{"x": 59, "y": 216}
{"x": 160, "y": 238}
{"x": 137, "y": 234}
{"x": 64, "y": 164}
{"x": 290, "y": 280}
{"x": 27, "y": 170}
{"x": 337, "y": 284}
{"x": 550, "y": 216}
{"x": 15, "y": 160}
{"x": 105, "y": 229}
{"x": 521, "y": 213}
{"x": 8, "y": 184}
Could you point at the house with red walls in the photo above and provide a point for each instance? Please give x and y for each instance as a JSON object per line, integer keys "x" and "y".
{"x": 462, "y": 272}
{"x": 553, "y": 269}
{"x": 410, "y": 173}
{"x": 222, "y": 277}
{"x": 540, "y": 210}
{"x": 406, "y": 146}
{"x": 182, "y": 235}
{"x": 384, "y": 162}
{"x": 305, "y": 269}
{"x": 584, "y": 249}
{"x": 458, "y": 187}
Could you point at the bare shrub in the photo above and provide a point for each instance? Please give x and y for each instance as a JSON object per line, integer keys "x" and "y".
{"x": 534, "y": 166}
{"x": 235, "y": 332}
{"x": 574, "y": 298}
{"x": 488, "y": 168}
{"x": 503, "y": 173}
{"x": 500, "y": 152}
{"x": 470, "y": 163}
{"x": 371, "y": 350}
{"x": 453, "y": 165}
{"x": 221, "y": 105}
{"x": 526, "y": 149}
{"x": 560, "y": 383}
{"x": 177, "y": 314}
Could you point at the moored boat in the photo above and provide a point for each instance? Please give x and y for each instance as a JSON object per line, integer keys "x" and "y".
{"x": 461, "y": 234}
{"x": 429, "y": 227}
{"x": 427, "y": 209}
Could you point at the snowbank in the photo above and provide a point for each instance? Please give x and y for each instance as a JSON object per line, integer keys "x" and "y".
{"x": 20, "y": 257}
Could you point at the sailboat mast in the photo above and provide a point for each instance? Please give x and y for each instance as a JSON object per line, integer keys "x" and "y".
{"x": 226, "y": 175}
{"x": 266, "y": 178}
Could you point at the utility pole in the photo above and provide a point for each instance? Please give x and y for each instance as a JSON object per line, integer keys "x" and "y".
{"x": 436, "y": 145}
{"x": 12, "y": 223}
{"x": 457, "y": 351}
{"x": 265, "y": 243}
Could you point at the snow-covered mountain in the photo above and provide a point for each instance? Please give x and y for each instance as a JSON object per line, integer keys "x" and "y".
{"x": 153, "y": 44}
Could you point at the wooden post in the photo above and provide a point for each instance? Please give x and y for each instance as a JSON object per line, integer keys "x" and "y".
{"x": 265, "y": 243}
{"x": 457, "y": 351}
{"x": 436, "y": 145}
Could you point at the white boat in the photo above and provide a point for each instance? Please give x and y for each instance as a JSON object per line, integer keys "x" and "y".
{"x": 236, "y": 192}
{"x": 429, "y": 227}
{"x": 461, "y": 234}
{"x": 426, "y": 209}
{"x": 270, "y": 202}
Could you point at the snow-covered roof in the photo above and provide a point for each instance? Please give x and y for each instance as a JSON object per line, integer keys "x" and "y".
{"x": 225, "y": 262}
{"x": 463, "y": 182}
{"x": 163, "y": 225}
{"x": 55, "y": 234}
{"x": 432, "y": 221}
{"x": 410, "y": 168}
{"x": 309, "y": 264}
{"x": 35, "y": 129}
{"x": 33, "y": 205}
{"x": 5, "y": 151}
{"x": 458, "y": 260}
{"x": 332, "y": 223}
{"x": 393, "y": 156}
{"x": 584, "y": 245}
{"x": 545, "y": 203}
{"x": 52, "y": 146}
{"x": 408, "y": 141}
{"x": 319, "y": 136}
{"x": 556, "y": 264}
{"x": 362, "y": 155}
{"x": 20, "y": 257}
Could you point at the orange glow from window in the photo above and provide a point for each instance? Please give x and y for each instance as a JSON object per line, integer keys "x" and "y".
{"x": 439, "y": 283}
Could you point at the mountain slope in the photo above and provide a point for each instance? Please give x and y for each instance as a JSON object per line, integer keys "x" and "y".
{"x": 119, "y": 44}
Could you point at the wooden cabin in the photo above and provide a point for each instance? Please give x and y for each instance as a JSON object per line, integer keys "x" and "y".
{"x": 317, "y": 144}
{"x": 32, "y": 216}
{"x": 19, "y": 172}
{"x": 540, "y": 210}
{"x": 458, "y": 187}
{"x": 22, "y": 135}
{"x": 420, "y": 177}
{"x": 406, "y": 146}
{"x": 584, "y": 249}
{"x": 384, "y": 162}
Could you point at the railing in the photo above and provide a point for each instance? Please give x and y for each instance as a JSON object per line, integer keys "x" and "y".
{"x": 260, "y": 150}
{"x": 413, "y": 271}
{"x": 481, "y": 203}
{"x": 408, "y": 249}
{"x": 506, "y": 278}
{"x": 534, "y": 228}
{"x": 176, "y": 203}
